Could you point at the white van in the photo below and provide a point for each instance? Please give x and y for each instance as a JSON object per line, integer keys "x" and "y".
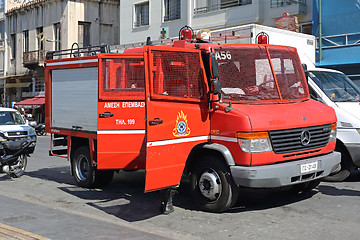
{"x": 336, "y": 90}
{"x": 13, "y": 126}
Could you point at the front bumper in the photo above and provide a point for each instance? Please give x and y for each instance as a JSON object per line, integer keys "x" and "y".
{"x": 354, "y": 150}
{"x": 284, "y": 174}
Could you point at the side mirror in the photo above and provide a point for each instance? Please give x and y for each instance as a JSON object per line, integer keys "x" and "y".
{"x": 216, "y": 87}
{"x": 304, "y": 66}
{"x": 214, "y": 66}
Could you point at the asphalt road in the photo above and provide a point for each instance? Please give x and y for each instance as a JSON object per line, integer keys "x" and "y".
{"x": 45, "y": 203}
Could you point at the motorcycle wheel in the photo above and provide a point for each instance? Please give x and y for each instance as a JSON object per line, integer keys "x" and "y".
{"x": 40, "y": 132}
{"x": 18, "y": 169}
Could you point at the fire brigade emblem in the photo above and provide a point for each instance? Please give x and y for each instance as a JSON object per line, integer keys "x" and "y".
{"x": 181, "y": 126}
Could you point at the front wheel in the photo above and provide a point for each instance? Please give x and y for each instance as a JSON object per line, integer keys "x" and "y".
{"x": 18, "y": 169}
{"x": 40, "y": 132}
{"x": 85, "y": 174}
{"x": 212, "y": 186}
{"x": 346, "y": 166}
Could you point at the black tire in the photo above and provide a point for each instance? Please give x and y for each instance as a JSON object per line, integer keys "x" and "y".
{"x": 40, "y": 132}
{"x": 86, "y": 175}
{"x": 21, "y": 166}
{"x": 212, "y": 186}
{"x": 305, "y": 187}
{"x": 346, "y": 166}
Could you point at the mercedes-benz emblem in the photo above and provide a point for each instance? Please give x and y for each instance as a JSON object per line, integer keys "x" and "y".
{"x": 305, "y": 138}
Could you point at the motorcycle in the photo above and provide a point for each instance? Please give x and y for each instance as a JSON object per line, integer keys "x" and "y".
{"x": 40, "y": 129}
{"x": 13, "y": 155}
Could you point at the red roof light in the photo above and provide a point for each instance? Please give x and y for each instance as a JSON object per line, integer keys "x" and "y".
{"x": 186, "y": 33}
{"x": 262, "y": 38}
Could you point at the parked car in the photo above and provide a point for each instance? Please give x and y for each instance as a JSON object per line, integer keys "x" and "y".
{"x": 13, "y": 126}
{"x": 336, "y": 90}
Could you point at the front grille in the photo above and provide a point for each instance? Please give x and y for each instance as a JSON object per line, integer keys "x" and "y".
{"x": 289, "y": 140}
{"x": 17, "y": 133}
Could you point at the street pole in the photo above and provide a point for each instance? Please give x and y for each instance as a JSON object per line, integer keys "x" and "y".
{"x": 320, "y": 33}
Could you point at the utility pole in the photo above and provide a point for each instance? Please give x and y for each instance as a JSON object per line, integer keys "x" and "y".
{"x": 320, "y": 33}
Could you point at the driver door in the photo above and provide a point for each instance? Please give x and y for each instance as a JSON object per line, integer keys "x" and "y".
{"x": 177, "y": 116}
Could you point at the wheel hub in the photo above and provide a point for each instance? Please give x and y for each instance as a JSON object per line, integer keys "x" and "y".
{"x": 210, "y": 184}
{"x": 82, "y": 168}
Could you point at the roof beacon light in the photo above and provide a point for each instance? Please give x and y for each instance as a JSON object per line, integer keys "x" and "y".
{"x": 186, "y": 33}
{"x": 262, "y": 38}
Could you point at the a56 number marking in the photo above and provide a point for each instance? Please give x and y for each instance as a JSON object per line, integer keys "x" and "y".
{"x": 222, "y": 55}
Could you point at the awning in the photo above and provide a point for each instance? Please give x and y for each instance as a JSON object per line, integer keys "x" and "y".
{"x": 31, "y": 103}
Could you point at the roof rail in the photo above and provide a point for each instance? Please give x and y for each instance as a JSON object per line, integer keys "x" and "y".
{"x": 75, "y": 51}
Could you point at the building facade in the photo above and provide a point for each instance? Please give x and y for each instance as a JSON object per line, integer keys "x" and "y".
{"x": 2, "y": 48}
{"x": 159, "y": 19}
{"x": 339, "y": 31}
{"x": 35, "y": 27}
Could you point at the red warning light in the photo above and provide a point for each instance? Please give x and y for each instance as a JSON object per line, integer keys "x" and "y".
{"x": 262, "y": 38}
{"x": 186, "y": 33}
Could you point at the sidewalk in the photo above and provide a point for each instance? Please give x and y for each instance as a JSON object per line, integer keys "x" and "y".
{"x": 33, "y": 220}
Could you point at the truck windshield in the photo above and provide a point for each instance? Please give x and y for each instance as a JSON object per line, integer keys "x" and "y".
{"x": 247, "y": 74}
{"x": 10, "y": 118}
{"x": 337, "y": 86}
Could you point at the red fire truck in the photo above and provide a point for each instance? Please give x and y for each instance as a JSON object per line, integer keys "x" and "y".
{"x": 226, "y": 115}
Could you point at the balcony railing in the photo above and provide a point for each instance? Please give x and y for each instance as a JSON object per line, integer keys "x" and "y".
{"x": 34, "y": 58}
{"x": 223, "y": 5}
{"x": 141, "y": 23}
{"x": 283, "y": 3}
{"x": 171, "y": 17}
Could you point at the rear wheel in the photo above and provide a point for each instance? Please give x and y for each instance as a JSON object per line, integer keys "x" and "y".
{"x": 85, "y": 174}
{"x": 212, "y": 186}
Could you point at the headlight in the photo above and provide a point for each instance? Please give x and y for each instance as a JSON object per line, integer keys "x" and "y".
{"x": 254, "y": 142}
{"x": 333, "y": 132}
{"x": 32, "y": 131}
{"x": 2, "y": 137}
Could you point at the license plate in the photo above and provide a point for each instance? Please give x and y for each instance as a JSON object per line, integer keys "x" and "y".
{"x": 308, "y": 167}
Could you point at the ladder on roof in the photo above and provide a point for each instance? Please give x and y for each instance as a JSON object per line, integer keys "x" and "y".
{"x": 76, "y": 51}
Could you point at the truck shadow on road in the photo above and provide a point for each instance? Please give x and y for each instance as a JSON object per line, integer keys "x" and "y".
{"x": 124, "y": 197}
{"x": 55, "y": 174}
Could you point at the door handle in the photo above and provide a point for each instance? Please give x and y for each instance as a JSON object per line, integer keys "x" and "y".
{"x": 105, "y": 115}
{"x": 155, "y": 122}
{"x": 76, "y": 128}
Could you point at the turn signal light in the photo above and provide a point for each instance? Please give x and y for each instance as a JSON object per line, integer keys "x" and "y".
{"x": 252, "y": 135}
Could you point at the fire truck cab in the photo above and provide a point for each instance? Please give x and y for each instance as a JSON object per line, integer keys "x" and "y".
{"x": 226, "y": 115}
